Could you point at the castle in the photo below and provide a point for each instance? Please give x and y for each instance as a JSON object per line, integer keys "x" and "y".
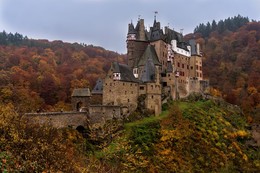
{"x": 160, "y": 66}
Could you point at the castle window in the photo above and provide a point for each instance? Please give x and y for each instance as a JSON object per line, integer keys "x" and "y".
{"x": 187, "y": 66}
{"x": 178, "y": 64}
{"x": 200, "y": 68}
{"x": 152, "y": 96}
{"x": 130, "y": 84}
{"x": 141, "y": 88}
{"x": 182, "y": 66}
{"x": 124, "y": 84}
{"x": 169, "y": 75}
{"x": 191, "y": 67}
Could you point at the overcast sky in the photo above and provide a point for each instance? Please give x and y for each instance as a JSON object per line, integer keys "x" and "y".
{"x": 105, "y": 22}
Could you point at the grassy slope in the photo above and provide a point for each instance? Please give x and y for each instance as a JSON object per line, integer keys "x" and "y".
{"x": 189, "y": 137}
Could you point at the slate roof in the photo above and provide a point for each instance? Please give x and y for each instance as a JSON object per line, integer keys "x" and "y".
{"x": 156, "y": 33}
{"x": 193, "y": 47}
{"x": 149, "y": 53}
{"x": 98, "y": 89}
{"x": 149, "y": 71}
{"x": 81, "y": 92}
{"x": 125, "y": 72}
{"x": 131, "y": 29}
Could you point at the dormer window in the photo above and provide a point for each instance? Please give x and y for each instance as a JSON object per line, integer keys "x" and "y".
{"x": 135, "y": 72}
{"x": 117, "y": 76}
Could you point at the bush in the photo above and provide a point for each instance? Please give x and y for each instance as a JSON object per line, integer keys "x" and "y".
{"x": 144, "y": 135}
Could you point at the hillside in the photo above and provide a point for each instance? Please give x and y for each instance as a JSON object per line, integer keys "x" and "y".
{"x": 38, "y": 74}
{"x": 231, "y": 49}
{"x": 192, "y": 136}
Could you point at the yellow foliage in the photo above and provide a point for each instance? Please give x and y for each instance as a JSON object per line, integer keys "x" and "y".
{"x": 242, "y": 133}
{"x": 251, "y": 90}
{"x": 215, "y": 92}
{"x": 165, "y": 152}
{"x": 245, "y": 158}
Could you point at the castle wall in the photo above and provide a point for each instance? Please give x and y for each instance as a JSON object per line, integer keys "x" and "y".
{"x": 58, "y": 119}
{"x": 99, "y": 114}
{"x": 162, "y": 53}
{"x": 169, "y": 81}
{"x": 181, "y": 64}
{"x": 196, "y": 67}
{"x": 194, "y": 86}
{"x": 96, "y": 99}
{"x": 80, "y": 102}
{"x": 142, "y": 89}
{"x": 153, "y": 98}
{"x": 120, "y": 93}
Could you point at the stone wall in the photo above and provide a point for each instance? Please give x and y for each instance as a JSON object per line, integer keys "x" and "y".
{"x": 99, "y": 114}
{"x": 169, "y": 82}
{"x": 153, "y": 98}
{"x": 196, "y": 67}
{"x": 59, "y": 119}
{"x": 161, "y": 51}
{"x": 194, "y": 85}
{"x": 80, "y": 102}
{"x": 120, "y": 93}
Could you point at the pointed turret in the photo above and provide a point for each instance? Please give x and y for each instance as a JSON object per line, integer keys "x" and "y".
{"x": 131, "y": 35}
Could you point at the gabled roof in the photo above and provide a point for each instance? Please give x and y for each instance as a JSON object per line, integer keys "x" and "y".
{"x": 125, "y": 72}
{"x": 149, "y": 53}
{"x": 98, "y": 89}
{"x": 81, "y": 92}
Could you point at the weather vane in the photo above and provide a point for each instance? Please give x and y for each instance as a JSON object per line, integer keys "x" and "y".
{"x": 155, "y": 13}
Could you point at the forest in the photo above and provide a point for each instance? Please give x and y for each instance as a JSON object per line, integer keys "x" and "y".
{"x": 191, "y": 135}
{"x": 231, "y": 52}
{"x": 40, "y": 75}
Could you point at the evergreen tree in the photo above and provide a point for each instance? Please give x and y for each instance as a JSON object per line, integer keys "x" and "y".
{"x": 214, "y": 25}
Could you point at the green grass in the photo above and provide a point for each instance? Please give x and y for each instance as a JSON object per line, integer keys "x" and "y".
{"x": 147, "y": 120}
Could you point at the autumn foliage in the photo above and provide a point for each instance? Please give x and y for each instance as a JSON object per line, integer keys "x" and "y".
{"x": 201, "y": 136}
{"x": 232, "y": 60}
{"x": 31, "y": 148}
{"x": 37, "y": 74}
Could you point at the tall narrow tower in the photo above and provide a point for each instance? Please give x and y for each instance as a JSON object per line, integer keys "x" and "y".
{"x": 136, "y": 42}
